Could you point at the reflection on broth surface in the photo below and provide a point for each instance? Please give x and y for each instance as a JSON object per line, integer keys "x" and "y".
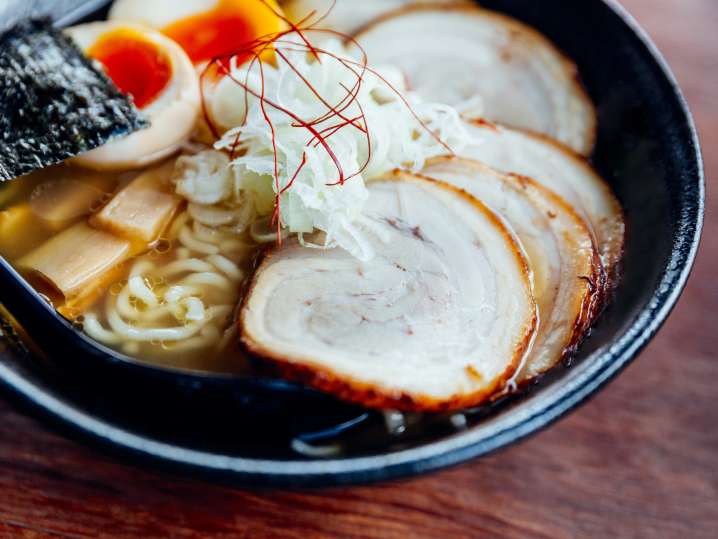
{"x": 123, "y": 256}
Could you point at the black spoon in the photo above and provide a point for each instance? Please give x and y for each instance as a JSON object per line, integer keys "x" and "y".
{"x": 160, "y": 395}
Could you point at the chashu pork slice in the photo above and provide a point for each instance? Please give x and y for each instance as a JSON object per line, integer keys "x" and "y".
{"x": 347, "y": 16}
{"x": 557, "y": 167}
{"x": 487, "y": 65}
{"x": 566, "y": 266}
{"x": 439, "y": 319}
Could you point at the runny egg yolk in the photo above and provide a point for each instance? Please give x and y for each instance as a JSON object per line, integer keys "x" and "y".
{"x": 226, "y": 30}
{"x": 135, "y": 64}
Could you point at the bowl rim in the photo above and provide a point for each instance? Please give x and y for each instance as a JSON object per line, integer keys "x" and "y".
{"x": 583, "y": 381}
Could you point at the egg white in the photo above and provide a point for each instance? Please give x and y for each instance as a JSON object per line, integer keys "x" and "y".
{"x": 158, "y": 13}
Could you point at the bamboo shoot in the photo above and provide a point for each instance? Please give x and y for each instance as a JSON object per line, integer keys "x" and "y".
{"x": 142, "y": 210}
{"x": 21, "y": 222}
{"x": 75, "y": 260}
{"x": 62, "y": 200}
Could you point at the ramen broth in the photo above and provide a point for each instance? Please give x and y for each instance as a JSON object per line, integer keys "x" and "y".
{"x": 65, "y": 201}
{"x": 421, "y": 257}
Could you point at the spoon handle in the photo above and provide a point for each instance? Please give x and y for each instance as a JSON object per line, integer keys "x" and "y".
{"x": 60, "y": 11}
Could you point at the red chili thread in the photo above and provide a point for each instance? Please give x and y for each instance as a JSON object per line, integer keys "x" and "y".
{"x": 293, "y": 116}
{"x": 295, "y": 28}
{"x": 299, "y": 169}
{"x": 314, "y": 91}
{"x": 319, "y": 137}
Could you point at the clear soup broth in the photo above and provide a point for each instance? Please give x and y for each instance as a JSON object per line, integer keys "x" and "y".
{"x": 131, "y": 263}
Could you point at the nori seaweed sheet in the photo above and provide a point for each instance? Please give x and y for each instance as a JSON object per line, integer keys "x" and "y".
{"x": 54, "y": 103}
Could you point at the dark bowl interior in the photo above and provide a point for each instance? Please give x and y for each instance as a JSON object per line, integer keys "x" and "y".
{"x": 238, "y": 428}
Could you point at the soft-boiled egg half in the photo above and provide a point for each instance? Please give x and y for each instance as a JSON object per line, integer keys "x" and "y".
{"x": 206, "y": 29}
{"x": 160, "y": 77}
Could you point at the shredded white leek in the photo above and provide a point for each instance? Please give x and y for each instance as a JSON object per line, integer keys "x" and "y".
{"x": 314, "y": 201}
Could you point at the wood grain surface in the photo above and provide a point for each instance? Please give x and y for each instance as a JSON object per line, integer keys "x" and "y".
{"x": 641, "y": 460}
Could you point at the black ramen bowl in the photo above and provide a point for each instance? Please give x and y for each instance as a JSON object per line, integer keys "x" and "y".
{"x": 240, "y": 428}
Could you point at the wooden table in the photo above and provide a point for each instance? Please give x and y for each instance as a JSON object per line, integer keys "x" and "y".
{"x": 641, "y": 460}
